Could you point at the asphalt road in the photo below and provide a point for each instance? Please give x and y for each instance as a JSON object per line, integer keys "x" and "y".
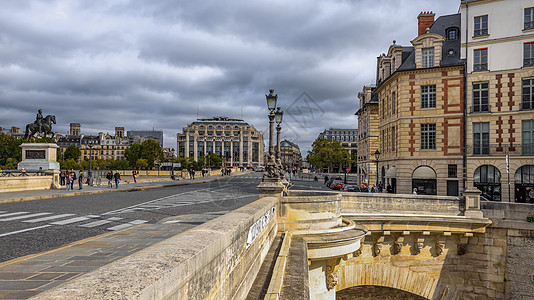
{"x": 35, "y": 226}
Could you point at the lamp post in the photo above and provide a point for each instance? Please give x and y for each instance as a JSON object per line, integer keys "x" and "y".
{"x": 377, "y": 156}
{"x": 270, "y": 172}
{"x": 90, "y": 173}
{"x": 278, "y": 115}
{"x": 345, "y": 167}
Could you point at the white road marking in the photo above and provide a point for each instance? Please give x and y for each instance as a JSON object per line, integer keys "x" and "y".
{"x": 13, "y": 214}
{"x": 74, "y": 220}
{"x": 126, "y": 225}
{"x": 95, "y": 224}
{"x": 48, "y": 218}
{"x": 24, "y": 217}
{"x": 24, "y": 230}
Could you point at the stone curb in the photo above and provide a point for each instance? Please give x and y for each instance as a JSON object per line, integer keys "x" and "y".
{"x": 131, "y": 189}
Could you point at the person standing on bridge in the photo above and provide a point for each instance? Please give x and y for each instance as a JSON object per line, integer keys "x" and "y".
{"x": 109, "y": 177}
{"x": 80, "y": 180}
{"x": 117, "y": 178}
{"x": 134, "y": 175}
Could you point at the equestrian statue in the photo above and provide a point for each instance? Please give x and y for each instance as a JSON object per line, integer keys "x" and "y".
{"x": 41, "y": 125}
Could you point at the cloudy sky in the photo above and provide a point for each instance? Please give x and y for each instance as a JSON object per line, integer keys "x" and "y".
{"x": 145, "y": 64}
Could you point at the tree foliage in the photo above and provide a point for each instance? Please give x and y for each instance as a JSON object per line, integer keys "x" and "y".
{"x": 152, "y": 152}
{"x": 328, "y": 153}
{"x": 133, "y": 154}
{"x": 72, "y": 152}
{"x": 10, "y": 149}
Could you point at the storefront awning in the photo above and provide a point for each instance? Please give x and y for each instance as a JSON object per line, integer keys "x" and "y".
{"x": 424, "y": 172}
{"x": 391, "y": 173}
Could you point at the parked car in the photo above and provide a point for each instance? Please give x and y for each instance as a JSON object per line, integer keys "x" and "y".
{"x": 260, "y": 169}
{"x": 329, "y": 182}
{"x": 336, "y": 184}
{"x": 349, "y": 188}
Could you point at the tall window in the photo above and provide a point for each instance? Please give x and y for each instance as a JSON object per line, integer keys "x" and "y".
{"x": 480, "y": 97}
{"x": 487, "y": 179}
{"x": 428, "y": 57}
{"x": 481, "y": 59}
{"x": 529, "y": 18}
{"x": 428, "y": 96}
{"x": 392, "y": 138}
{"x": 393, "y": 103}
{"x": 428, "y": 136}
{"x": 481, "y": 26}
{"x": 528, "y": 94}
{"x": 528, "y": 54}
{"x": 480, "y": 138}
{"x": 527, "y": 137}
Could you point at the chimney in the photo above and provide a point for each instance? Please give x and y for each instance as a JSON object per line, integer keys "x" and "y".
{"x": 426, "y": 19}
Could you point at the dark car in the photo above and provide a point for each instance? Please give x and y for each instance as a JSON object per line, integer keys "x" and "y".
{"x": 349, "y": 188}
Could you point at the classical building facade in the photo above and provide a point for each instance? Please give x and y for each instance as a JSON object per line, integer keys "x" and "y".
{"x": 367, "y": 134}
{"x": 290, "y": 154}
{"x": 499, "y": 38}
{"x": 233, "y": 139}
{"x": 419, "y": 89}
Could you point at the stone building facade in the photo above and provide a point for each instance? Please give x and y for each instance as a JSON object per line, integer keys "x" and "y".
{"x": 500, "y": 97}
{"x": 367, "y": 134}
{"x": 290, "y": 154}
{"x": 420, "y": 90}
{"x": 233, "y": 139}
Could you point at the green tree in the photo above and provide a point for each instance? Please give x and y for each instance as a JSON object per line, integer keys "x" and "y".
{"x": 132, "y": 154}
{"x": 152, "y": 152}
{"x": 69, "y": 164}
{"x": 72, "y": 152}
{"x": 327, "y": 153}
{"x": 120, "y": 164}
{"x": 142, "y": 163}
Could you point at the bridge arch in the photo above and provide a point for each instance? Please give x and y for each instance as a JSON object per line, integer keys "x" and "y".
{"x": 354, "y": 274}
{"x": 375, "y": 292}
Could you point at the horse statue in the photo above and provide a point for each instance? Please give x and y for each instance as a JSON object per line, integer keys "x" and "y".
{"x": 46, "y": 126}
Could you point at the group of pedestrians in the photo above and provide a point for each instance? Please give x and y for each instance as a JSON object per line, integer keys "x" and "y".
{"x": 68, "y": 178}
{"x": 116, "y": 178}
{"x": 226, "y": 171}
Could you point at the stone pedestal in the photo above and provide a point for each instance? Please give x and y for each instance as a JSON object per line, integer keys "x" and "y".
{"x": 35, "y": 155}
{"x": 472, "y": 203}
{"x": 271, "y": 189}
{"x": 55, "y": 178}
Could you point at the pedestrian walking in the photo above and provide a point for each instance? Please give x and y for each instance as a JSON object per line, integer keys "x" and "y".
{"x": 414, "y": 191}
{"x": 325, "y": 179}
{"x": 62, "y": 177}
{"x": 134, "y": 175}
{"x": 109, "y": 177}
{"x": 389, "y": 188}
{"x": 80, "y": 180}
{"x": 73, "y": 178}
{"x": 68, "y": 180}
{"x": 531, "y": 194}
{"x": 117, "y": 178}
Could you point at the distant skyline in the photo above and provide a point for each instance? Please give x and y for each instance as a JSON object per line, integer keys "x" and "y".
{"x": 153, "y": 64}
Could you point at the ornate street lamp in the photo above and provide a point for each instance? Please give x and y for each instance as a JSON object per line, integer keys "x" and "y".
{"x": 270, "y": 172}
{"x": 278, "y": 115}
{"x": 377, "y": 156}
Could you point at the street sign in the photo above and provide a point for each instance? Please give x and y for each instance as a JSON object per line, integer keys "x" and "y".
{"x": 348, "y": 170}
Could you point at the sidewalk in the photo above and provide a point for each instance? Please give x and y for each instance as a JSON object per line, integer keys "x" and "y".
{"x": 9, "y": 197}
{"x": 27, "y": 276}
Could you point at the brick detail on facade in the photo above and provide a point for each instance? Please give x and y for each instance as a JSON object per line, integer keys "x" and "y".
{"x": 412, "y": 95}
{"x": 448, "y": 84}
{"x": 498, "y": 86}
{"x": 412, "y": 138}
{"x": 511, "y": 131}
{"x": 449, "y": 125}
{"x": 511, "y": 92}
{"x": 499, "y": 132}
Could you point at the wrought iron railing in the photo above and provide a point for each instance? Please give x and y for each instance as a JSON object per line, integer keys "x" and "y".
{"x": 500, "y": 149}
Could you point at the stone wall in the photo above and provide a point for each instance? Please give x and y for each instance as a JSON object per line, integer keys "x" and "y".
{"x": 25, "y": 183}
{"x": 370, "y": 203}
{"x": 211, "y": 261}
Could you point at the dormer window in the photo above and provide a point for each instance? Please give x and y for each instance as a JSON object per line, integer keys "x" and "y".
{"x": 428, "y": 58}
{"x": 452, "y": 34}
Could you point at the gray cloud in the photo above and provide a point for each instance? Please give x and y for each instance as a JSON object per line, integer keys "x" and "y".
{"x": 142, "y": 64}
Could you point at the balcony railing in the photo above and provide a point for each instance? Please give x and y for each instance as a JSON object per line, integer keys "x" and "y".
{"x": 496, "y": 149}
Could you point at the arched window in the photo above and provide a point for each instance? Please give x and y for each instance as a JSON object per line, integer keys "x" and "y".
{"x": 524, "y": 183}
{"x": 424, "y": 180}
{"x": 487, "y": 179}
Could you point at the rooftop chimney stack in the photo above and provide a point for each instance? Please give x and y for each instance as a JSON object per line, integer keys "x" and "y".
{"x": 426, "y": 19}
